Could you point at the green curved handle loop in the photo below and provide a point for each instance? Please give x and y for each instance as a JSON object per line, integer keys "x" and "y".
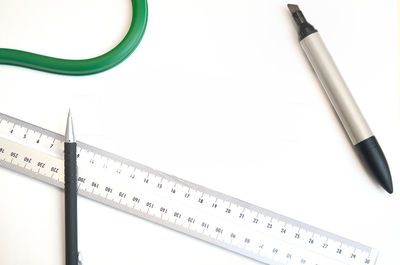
{"x": 85, "y": 66}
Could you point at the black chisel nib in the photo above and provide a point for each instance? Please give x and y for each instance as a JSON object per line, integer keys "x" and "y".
{"x": 293, "y": 8}
{"x": 303, "y": 27}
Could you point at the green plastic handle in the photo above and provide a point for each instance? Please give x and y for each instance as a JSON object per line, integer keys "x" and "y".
{"x": 85, "y": 66}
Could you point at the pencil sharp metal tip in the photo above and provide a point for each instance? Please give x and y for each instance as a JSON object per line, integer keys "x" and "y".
{"x": 293, "y": 8}
{"x": 69, "y": 131}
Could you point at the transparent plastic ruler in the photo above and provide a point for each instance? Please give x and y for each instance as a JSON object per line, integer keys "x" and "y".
{"x": 175, "y": 203}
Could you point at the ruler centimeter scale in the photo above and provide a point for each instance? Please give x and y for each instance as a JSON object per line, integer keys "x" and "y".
{"x": 194, "y": 210}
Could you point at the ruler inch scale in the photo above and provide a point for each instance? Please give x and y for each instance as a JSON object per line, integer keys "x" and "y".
{"x": 172, "y": 202}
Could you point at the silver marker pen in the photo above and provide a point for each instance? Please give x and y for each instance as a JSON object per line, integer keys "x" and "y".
{"x": 343, "y": 102}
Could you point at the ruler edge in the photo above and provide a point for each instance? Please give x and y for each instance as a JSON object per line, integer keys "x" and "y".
{"x": 212, "y": 192}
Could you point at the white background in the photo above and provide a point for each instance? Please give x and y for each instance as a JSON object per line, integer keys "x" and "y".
{"x": 219, "y": 93}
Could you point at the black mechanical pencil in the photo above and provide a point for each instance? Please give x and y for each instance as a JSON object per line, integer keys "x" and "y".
{"x": 71, "y": 192}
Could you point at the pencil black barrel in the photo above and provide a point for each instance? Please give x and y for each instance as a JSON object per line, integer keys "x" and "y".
{"x": 71, "y": 226}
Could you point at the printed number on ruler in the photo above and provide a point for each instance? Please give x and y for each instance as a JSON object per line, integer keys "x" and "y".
{"x": 175, "y": 203}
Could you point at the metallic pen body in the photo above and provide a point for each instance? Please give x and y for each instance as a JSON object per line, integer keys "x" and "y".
{"x": 343, "y": 102}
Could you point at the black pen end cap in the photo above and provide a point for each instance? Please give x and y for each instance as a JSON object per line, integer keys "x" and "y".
{"x": 374, "y": 160}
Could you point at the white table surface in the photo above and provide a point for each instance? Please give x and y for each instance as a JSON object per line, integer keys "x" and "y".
{"x": 218, "y": 93}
